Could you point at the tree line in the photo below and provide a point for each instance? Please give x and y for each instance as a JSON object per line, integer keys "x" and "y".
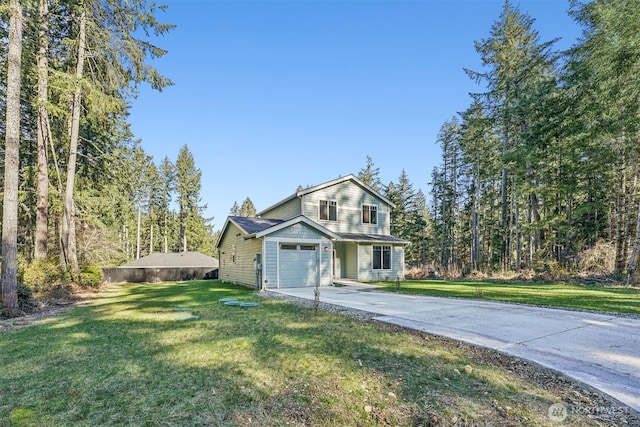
{"x": 77, "y": 187}
{"x": 542, "y": 169}
{"x": 543, "y": 164}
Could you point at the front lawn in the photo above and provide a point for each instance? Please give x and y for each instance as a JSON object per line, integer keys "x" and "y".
{"x": 127, "y": 358}
{"x": 597, "y": 298}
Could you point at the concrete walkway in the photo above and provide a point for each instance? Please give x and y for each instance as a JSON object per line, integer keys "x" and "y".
{"x": 597, "y": 349}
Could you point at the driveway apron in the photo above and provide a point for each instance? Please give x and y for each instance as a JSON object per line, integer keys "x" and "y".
{"x": 600, "y": 350}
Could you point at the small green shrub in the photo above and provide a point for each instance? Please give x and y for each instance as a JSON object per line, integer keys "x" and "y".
{"x": 91, "y": 275}
{"x": 40, "y": 275}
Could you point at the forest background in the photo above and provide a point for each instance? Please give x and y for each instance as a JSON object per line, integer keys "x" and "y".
{"x": 539, "y": 176}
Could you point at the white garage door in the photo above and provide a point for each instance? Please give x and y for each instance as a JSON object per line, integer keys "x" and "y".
{"x": 298, "y": 265}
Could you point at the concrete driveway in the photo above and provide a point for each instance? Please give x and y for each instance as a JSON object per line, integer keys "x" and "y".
{"x": 598, "y": 349}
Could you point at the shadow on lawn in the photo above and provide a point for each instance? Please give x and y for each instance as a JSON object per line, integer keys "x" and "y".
{"x": 125, "y": 359}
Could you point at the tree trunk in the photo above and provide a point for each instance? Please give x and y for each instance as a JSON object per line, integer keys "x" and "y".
{"x": 166, "y": 235}
{"x": 12, "y": 161}
{"x": 69, "y": 228}
{"x": 620, "y": 222}
{"x": 503, "y": 212}
{"x": 184, "y": 236}
{"x": 42, "y": 187}
{"x": 518, "y": 238}
{"x": 151, "y": 239}
{"x": 475, "y": 235}
{"x": 633, "y": 261}
{"x": 138, "y": 234}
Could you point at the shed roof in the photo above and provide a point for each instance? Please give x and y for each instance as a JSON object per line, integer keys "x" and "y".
{"x": 173, "y": 260}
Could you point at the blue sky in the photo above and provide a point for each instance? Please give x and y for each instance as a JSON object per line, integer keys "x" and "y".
{"x": 273, "y": 94}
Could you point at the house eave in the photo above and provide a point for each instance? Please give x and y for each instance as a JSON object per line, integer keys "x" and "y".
{"x": 372, "y": 238}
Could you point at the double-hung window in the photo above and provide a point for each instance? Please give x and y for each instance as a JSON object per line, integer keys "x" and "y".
{"x": 328, "y": 210}
{"x": 369, "y": 214}
{"x": 382, "y": 257}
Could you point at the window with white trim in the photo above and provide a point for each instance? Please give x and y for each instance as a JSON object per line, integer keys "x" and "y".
{"x": 328, "y": 210}
{"x": 381, "y": 257}
{"x": 369, "y": 214}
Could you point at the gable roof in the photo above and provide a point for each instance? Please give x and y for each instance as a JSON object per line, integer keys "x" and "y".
{"x": 336, "y": 181}
{"x": 296, "y": 220}
{"x": 247, "y": 225}
{"x": 173, "y": 260}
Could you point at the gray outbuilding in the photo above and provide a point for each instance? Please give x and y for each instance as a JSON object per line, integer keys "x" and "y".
{"x": 165, "y": 267}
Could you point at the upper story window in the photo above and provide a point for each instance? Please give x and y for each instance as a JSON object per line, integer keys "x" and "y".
{"x": 328, "y": 210}
{"x": 369, "y": 214}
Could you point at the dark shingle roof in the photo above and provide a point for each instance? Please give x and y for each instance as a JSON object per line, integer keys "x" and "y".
{"x": 173, "y": 260}
{"x": 357, "y": 237}
{"x": 254, "y": 225}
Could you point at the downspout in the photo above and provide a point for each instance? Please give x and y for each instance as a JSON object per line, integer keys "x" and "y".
{"x": 264, "y": 279}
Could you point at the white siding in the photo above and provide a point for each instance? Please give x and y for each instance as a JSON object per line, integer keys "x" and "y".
{"x": 350, "y": 197}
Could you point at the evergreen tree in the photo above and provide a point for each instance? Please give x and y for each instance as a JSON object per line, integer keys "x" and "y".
{"x": 449, "y": 139}
{"x": 393, "y": 195}
{"x": 235, "y": 209}
{"x": 516, "y": 62}
{"x": 247, "y": 209}
{"x": 167, "y": 187}
{"x": 408, "y": 220}
{"x": 101, "y": 91}
{"x": 606, "y": 66}
{"x": 419, "y": 231}
{"x": 370, "y": 175}
{"x": 188, "y": 185}
{"x": 480, "y": 156}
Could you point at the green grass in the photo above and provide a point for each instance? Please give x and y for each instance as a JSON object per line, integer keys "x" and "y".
{"x": 126, "y": 359}
{"x": 597, "y": 298}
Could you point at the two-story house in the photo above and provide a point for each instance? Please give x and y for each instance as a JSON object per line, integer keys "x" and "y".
{"x": 337, "y": 230}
